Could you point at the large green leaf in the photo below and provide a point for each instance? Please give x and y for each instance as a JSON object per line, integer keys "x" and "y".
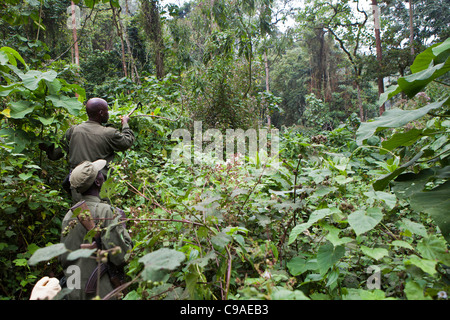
{"x": 405, "y": 185}
{"x": 80, "y": 253}
{"x": 333, "y": 235}
{"x": 389, "y": 93}
{"x": 414, "y": 83}
{"x": 382, "y": 182}
{"x": 313, "y": 218}
{"x": 163, "y": 259}
{"x": 414, "y": 227}
{"x": 435, "y": 202}
{"x": 437, "y": 53}
{"x": 434, "y": 248}
{"x": 428, "y": 266}
{"x": 402, "y": 139}
{"x": 53, "y": 87}
{"x": 375, "y": 253}
{"x": 32, "y": 78}
{"x": 47, "y": 253}
{"x": 300, "y": 264}
{"x": 221, "y": 240}
{"x": 364, "y": 220}
{"x": 156, "y": 263}
{"x": 415, "y": 291}
{"x": 428, "y": 65}
{"x": 74, "y": 88}
{"x": 297, "y": 265}
{"x": 361, "y": 294}
{"x": 46, "y": 121}
{"x": 18, "y": 137}
{"x": 8, "y": 89}
{"x": 387, "y": 198}
{"x": 393, "y": 118}
{"x": 328, "y": 255}
{"x": 19, "y": 109}
{"x": 72, "y": 105}
{"x": 281, "y": 293}
{"x": 4, "y": 60}
{"x": 10, "y": 55}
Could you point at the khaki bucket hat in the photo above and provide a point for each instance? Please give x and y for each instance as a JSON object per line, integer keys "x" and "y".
{"x": 83, "y": 176}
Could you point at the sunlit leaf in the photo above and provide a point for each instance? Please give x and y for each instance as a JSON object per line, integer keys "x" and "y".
{"x": 71, "y": 104}
{"x": 32, "y": 78}
{"x": 20, "y": 109}
{"x": 364, "y": 220}
{"x": 393, "y": 118}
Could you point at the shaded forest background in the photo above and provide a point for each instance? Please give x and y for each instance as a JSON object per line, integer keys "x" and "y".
{"x": 284, "y": 57}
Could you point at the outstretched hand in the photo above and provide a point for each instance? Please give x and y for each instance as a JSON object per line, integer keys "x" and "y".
{"x": 124, "y": 119}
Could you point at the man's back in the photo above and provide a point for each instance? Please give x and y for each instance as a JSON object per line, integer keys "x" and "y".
{"x": 91, "y": 141}
{"x": 74, "y": 237}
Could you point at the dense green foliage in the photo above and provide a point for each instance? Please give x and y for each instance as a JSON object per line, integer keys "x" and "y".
{"x": 353, "y": 210}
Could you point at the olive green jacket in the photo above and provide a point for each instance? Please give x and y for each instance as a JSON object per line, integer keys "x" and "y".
{"x": 113, "y": 234}
{"x": 90, "y": 141}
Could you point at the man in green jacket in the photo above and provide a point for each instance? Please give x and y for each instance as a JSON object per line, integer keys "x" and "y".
{"x": 90, "y": 140}
{"x": 109, "y": 234}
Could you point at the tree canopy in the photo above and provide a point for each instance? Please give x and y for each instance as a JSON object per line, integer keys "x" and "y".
{"x": 336, "y": 190}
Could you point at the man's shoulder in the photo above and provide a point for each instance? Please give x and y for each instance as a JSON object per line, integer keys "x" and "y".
{"x": 101, "y": 208}
{"x": 97, "y": 128}
{"x": 68, "y": 216}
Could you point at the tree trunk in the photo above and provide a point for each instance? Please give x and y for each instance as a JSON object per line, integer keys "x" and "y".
{"x": 116, "y": 19}
{"x": 376, "y": 15}
{"x": 152, "y": 27}
{"x": 360, "y": 104}
{"x": 131, "y": 63}
{"x": 74, "y": 33}
{"x": 411, "y": 27}
{"x": 266, "y": 65}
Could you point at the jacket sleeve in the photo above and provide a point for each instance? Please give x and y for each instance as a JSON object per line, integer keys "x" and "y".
{"x": 121, "y": 141}
{"x": 116, "y": 235}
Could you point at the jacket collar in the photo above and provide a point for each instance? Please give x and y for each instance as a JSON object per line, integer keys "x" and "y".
{"x": 92, "y": 122}
{"x": 89, "y": 198}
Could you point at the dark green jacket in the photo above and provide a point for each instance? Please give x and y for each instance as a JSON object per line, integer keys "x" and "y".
{"x": 115, "y": 235}
{"x": 90, "y": 141}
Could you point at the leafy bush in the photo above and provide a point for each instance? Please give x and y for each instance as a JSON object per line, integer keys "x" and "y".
{"x": 35, "y": 105}
{"x": 31, "y": 218}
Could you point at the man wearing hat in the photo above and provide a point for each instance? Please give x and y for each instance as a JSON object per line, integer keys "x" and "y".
{"x": 92, "y": 140}
{"x": 82, "y": 274}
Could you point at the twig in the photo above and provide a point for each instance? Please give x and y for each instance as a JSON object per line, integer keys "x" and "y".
{"x": 121, "y": 287}
{"x": 230, "y": 259}
{"x": 253, "y": 189}
{"x": 153, "y": 116}
{"x": 164, "y": 118}
{"x": 149, "y": 219}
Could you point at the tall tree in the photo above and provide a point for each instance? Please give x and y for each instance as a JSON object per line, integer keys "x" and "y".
{"x": 406, "y": 33}
{"x": 411, "y": 27}
{"x": 119, "y": 27}
{"x": 152, "y": 27}
{"x": 346, "y": 22}
{"x": 376, "y": 16}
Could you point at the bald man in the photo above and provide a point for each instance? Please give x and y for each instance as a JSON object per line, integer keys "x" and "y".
{"x": 90, "y": 140}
